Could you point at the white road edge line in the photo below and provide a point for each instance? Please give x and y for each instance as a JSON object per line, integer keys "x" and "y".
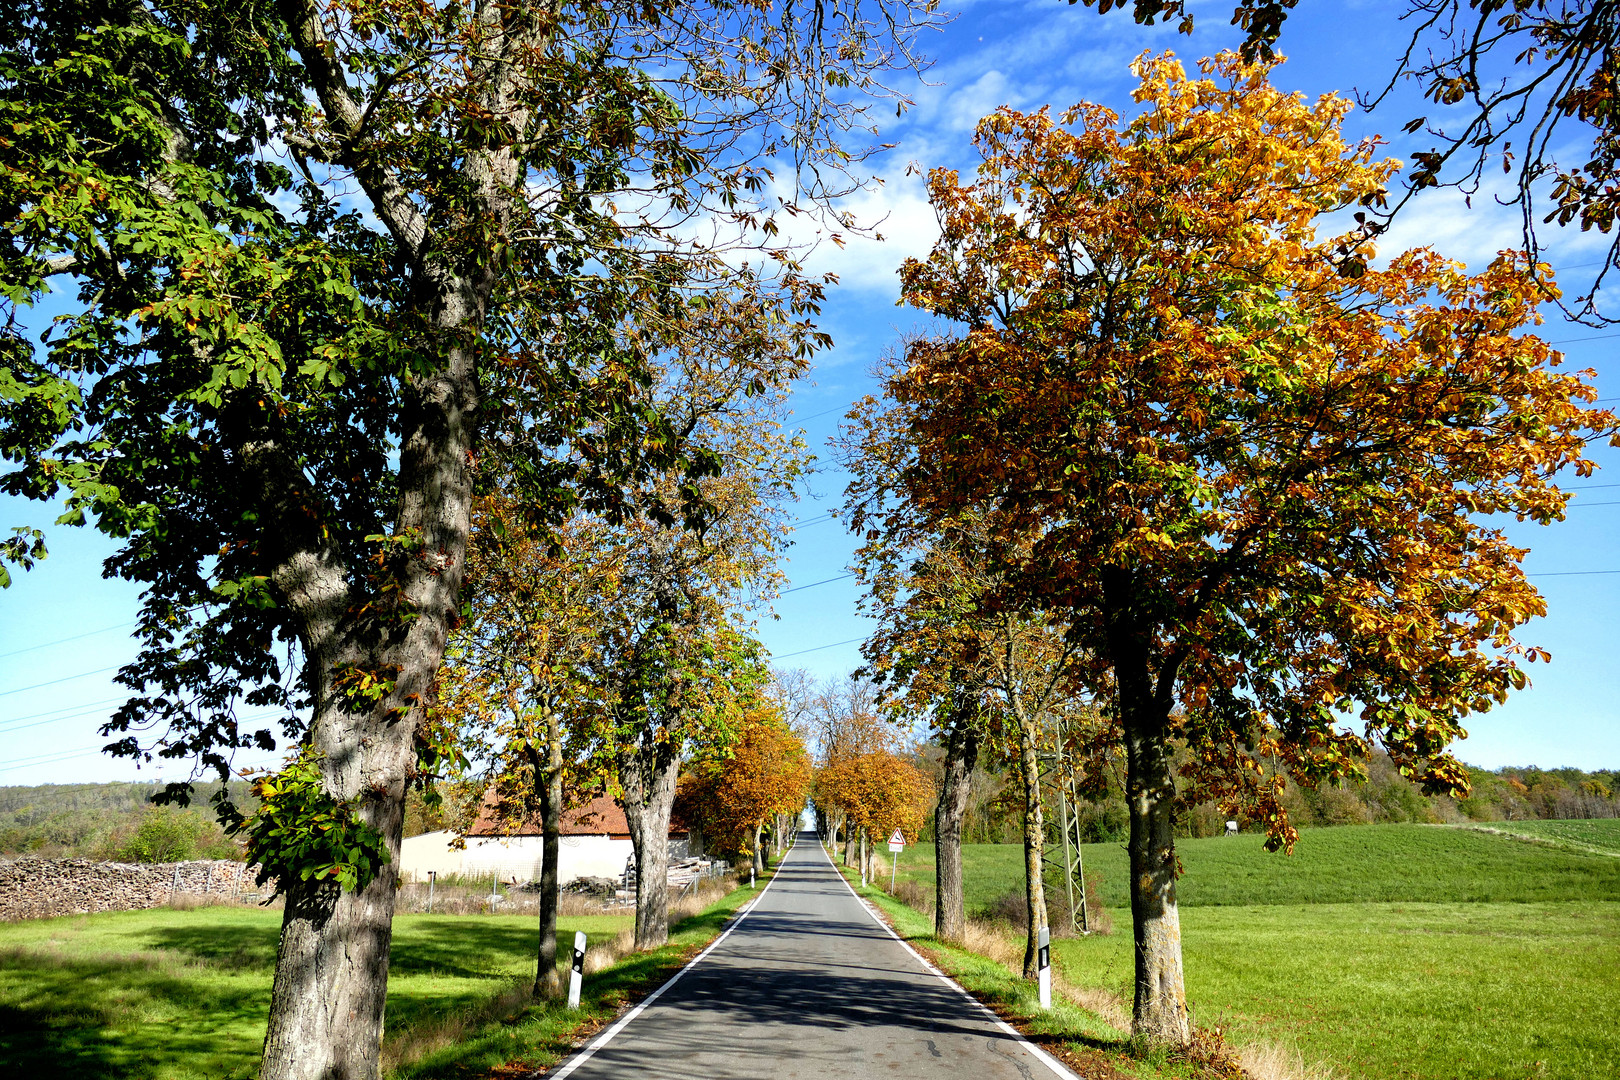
{"x": 590, "y": 1051}
{"x": 1058, "y": 1068}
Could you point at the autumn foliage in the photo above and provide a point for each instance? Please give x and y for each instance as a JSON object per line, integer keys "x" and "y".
{"x": 881, "y": 792}
{"x": 863, "y": 783}
{"x": 1252, "y": 465}
{"x": 766, "y": 773}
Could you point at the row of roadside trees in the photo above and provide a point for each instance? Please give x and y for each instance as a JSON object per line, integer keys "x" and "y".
{"x": 322, "y": 292}
{"x": 1196, "y": 483}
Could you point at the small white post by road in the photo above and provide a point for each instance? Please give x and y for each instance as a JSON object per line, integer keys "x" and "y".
{"x": 576, "y": 972}
{"x": 897, "y": 844}
{"x": 1043, "y": 963}
{"x": 750, "y": 877}
{"x": 433, "y": 879}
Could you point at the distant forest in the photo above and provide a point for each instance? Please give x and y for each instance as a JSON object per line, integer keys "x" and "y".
{"x": 117, "y": 821}
{"x": 1385, "y": 797}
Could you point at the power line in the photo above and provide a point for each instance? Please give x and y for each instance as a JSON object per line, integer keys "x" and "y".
{"x": 15, "y": 725}
{"x": 1572, "y": 340}
{"x": 45, "y": 759}
{"x": 831, "y": 515}
{"x": 818, "y": 648}
{"x": 64, "y": 641}
{"x": 813, "y": 584}
{"x": 824, "y": 412}
{"x": 63, "y": 679}
{"x": 58, "y": 712}
{"x": 1572, "y": 573}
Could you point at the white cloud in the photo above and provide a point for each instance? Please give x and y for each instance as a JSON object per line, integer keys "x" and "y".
{"x": 905, "y": 227}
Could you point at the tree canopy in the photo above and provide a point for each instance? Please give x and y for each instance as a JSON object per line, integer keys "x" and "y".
{"x": 1252, "y": 465}
{"x": 328, "y": 259}
{"x": 1522, "y": 90}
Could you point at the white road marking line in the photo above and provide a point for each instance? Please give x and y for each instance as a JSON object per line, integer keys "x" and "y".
{"x": 1058, "y": 1068}
{"x": 590, "y": 1051}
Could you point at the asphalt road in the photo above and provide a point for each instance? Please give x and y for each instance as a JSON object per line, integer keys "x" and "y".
{"x": 808, "y": 985}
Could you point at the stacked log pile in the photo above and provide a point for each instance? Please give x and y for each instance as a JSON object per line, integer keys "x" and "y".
{"x": 37, "y": 888}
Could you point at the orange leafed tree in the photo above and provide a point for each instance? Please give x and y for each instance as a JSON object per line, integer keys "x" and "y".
{"x": 767, "y": 773}
{"x": 878, "y": 792}
{"x": 1251, "y": 465}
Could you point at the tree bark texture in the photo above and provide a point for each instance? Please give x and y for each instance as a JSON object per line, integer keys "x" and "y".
{"x": 961, "y": 755}
{"x": 1029, "y": 769}
{"x": 1161, "y": 998}
{"x": 327, "y": 998}
{"x": 326, "y": 1002}
{"x": 648, "y": 779}
{"x": 759, "y": 848}
{"x": 547, "y": 982}
{"x": 1144, "y": 701}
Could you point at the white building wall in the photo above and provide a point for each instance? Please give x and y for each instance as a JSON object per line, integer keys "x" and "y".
{"x": 429, "y": 852}
{"x": 519, "y": 857}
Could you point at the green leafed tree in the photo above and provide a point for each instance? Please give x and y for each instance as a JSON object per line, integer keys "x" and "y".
{"x": 317, "y": 260}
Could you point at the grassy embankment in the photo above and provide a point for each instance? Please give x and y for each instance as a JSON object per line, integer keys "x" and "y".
{"x": 176, "y": 995}
{"x": 1387, "y": 951}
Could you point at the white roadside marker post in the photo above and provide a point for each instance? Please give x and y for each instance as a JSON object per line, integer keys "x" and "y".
{"x": 750, "y": 877}
{"x": 576, "y": 973}
{"x": 433, "y": 879}
{"x": 1043, "y": 962}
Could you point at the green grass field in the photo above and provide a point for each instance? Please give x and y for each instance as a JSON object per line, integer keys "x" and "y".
{"x": 1592, "y": 836}
{"x": 1354, "y": 864}
{"x": 177, "y": 995}
{"x": 1399, "y": 951}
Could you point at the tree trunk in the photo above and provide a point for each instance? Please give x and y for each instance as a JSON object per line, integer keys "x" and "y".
{"x": 649, "y": 797}
{"x": 547, "y": 982}
{"x": 850, "y": 844}
{"x": 331, "y": 980}
{"x": 759, "y": 850}
{"x": 1029, "y": 768}
{"x": 961, "y": 755}
{"x": 1161, "y": 999}
{"x": 1160, "y": 1009}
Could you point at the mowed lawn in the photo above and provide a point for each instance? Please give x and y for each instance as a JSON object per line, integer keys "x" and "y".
{"x": 174, "y": 995}
{"x": 1398, "y": 951}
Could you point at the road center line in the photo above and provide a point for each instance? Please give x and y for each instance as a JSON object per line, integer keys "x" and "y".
{"x": 590, "y": 1051}
{"x": 1057, "y": 1067}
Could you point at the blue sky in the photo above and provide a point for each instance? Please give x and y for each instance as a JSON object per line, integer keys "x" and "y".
{"x": 63, "y": 625}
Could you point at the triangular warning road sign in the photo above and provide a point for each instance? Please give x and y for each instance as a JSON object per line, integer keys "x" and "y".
{"x": 897, "y": 838}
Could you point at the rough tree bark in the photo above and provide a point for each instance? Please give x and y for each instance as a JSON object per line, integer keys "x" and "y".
{"x": 1161, "y": 998}
{"x": 648, "y": 778}
{"x": 961, "y": 755}
{"x": 1029, "y": 770}
{"x": 1160, "y": 1008}
{"x": 326, "y": 1002}
{"x": 547, "y": 982}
